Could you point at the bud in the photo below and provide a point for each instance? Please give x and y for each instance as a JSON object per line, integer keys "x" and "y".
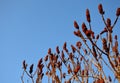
{"x": 100, "y": 8}
{"x": 88, "y": 15}
{"x": 76, "y": 25}
{"x": 118, "y": 12}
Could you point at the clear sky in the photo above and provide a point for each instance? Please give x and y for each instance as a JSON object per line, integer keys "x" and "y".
{"x": 29, "y": 27}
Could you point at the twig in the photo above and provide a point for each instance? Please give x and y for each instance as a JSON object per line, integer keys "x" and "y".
{"x": 22, "y": 77}
{"x": 115, "y": 22}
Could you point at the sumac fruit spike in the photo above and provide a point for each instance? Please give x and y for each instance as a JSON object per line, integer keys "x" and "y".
{"x": 73, "y": 48}
{"x": 118, "y": 12}
{"x": 79, "y": 44}
{"x": 76, "y": 25}
{"x": 88, "y": 15}
{"x": 24, "y": 65}
{"x": 100, "y": 8}
{"x": 84, "y": 28}
{"x": 77, "y": 68}
{"x": 57, "y": 50}
{"x": 46, "y": 58}
{"x": 31, "y": 68}
{"x": 65, "y": 47}
{"x": 62, "y": 56}
{"x": 49, "y": 51}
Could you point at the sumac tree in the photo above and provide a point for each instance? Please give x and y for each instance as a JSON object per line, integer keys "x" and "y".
{"x": 86, "y": 61}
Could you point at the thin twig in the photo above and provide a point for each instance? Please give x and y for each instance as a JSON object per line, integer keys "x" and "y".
{"x": 22, "y": 77}
{"x": 115, "y": 22}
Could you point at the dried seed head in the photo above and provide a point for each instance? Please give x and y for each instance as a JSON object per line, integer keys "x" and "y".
{"x": 84, "y": 28}
{"x": 73, "y": 48}
{"x": 88, "y": 15}
{"x": 79, "y": 44}
{"x": 105, "y": 47}
{"x": 89, "y": 33}
{"x": 100, "y": 8}
{"x": 71, "y": 56}
{"x": 57, "y": 50}
{"x": 40, "y": 61}
{"x": 31, "y": 68}
{"x": 62, "y": 56}
{"x": 40, "y": 65}
{"x": 55, "y": 58}
{"x": 104, "y": 41}
{"x": 49, "y": 51}
{"x": 24, "y": 65}
{"x": 51, "y": 57}
{"x": 77, "y": 33}
{"x": 69, "y": 69}
{"x": 118, "y": 12}
{"x": 65, "y": 47}
{"x": 76, "y": 25}
{"x": 46, "y": 58}
{"x": 59, "y": 64}
{"x": 77, "y": 68}
{"x": 108, "y": 22}
{"x": 115, "y": 49}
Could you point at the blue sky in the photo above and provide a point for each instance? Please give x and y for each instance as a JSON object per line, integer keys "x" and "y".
{"x": 29, "y": 27}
